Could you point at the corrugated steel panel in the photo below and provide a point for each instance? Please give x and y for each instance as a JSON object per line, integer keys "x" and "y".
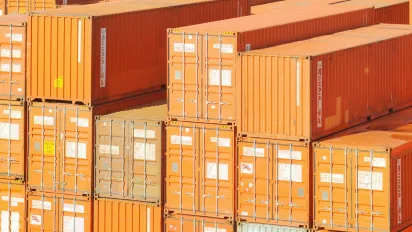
{"x": 253, "y": 227}
{"x": 187, "y": 223}
{"x": 129, "y": 150}
{"x": 202, "y": 84}
{"x": 61, "y": 66}
{"x": 396, "y": 14}
{"x": 13, "y": 206}
{"x": 200, "y": 170}
{"x": 304, "y": 90}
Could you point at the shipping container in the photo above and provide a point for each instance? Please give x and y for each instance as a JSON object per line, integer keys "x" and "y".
{"x": 13, "y": 139}
{"x": 305, "y": 90}
{"x": 119, "y": 216}
{"x": 102, "y": 53}
{"x": 254, "y": 227}
{"x": 274, "y": 7}
{"x": 200, "y": 175}
{"x": 129, "y": 154}
{"x": 362, "y": 182}
{"x": 61, "y": 141}
{"x": 59, "y": 212}
{"x": 274, "y": 182}
{"x": 260, "y": 2}
{"x": 13, "y": 206}
{"x": 3, "y": 7}
{"x": 28, "y": 6}
{"x": 197, "y": 224}
{"x": 13, "y": 57}
{"x": 202, "y": 84}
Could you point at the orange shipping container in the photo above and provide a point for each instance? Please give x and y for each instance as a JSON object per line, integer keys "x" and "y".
{"x": 28, "y": 6}
{"x": 13, "y": 206}
{"x": 200, "y": 162}
{"x": 58, "y": 212}
{"x": 260, "y": 2}
{"x": 202, "y": 85}
{"x": 362, "y": 182}
{"x": 129, "y": 152}
{"x": 12, "y": 140}
{"x": 13, "y": 57}
{"x": 305, "y": 90}
{"x": 3, "y": 7}
{"x": 60, "y": 143}
{"x": 102, "y": 52}
{"x": 274, "y": 182}
{"x": 120, "y": 216}
{"x": 197, "y": 224}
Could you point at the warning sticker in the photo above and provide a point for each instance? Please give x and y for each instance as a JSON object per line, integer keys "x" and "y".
{"x": 212, "y": 171}
{"x": 223, "y": 142}
{"x": 48, "y": 147}
{"x": 246, "y": 168}
{"x": 365, "y": 180}
{"x": 35, "y": 219}
{"x": 334, "y": 178}
{"x": 251, "y": 151}
{"x": 142, "y": 153}
{"x": 183, "y": 140}
{"x": 72, "y": 152}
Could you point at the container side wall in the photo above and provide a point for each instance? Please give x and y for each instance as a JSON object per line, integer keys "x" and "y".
{"x": 396, "y": 14}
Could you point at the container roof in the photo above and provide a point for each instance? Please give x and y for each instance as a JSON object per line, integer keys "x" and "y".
{"x": 115, "y": 7}
{"x": 337, "y": 42}
{"x": 375, "y": 3}
{"x": 155, "y": 111}
{"x": 13, "y": 19}
{"x": 259, "y": 21}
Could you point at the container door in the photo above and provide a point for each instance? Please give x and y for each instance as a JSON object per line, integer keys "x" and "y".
{"x": 371, "y": 190}
{"x": 76, "y": 149}
{"x": 219, "y": 78}
{"x": 182, "y": 174}
{"x": 12, "y": 140}
{"x": 216, "y": 156}
{"x": 332, "y": 194}
{"x": 192, "y": 224}
{"x": 43, "y": 213}
{"x": 13, "y": 207}
{"x": 18, "y": 6}
{"x": 74, "y": 214}
{"x": 184, "y": 76}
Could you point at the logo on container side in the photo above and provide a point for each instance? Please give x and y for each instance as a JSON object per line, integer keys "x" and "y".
{"x": 399, "y": 190}
{"x": 319, "y": 94}
{"x": 103, "y": 58}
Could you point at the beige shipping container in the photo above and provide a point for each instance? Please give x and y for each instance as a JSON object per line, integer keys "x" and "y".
{"x": 13, "y": 206}
{"x": 13, "y": 139}
{"x": 187, "y": 223}
{"x": 129, "y": 154}
{"x": 200, "y": 169}
{"x": 305, "y": 90}
{"x": 13, "y": 52}
{"x": 126, "y": 216}
{"x": 59, "y": 212}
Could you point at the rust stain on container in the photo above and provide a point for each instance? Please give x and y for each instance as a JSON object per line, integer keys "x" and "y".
{"x": 362, "y": 182}
{"x": 13, "y": 57}
{"x": 59, "y": 212}
{"x": 66, "y": 70}
{"x": 60, "y": 143}
{"x": 303, "y": 90}
{"x": 13, "y": 206}
{"x": 13, "y": 140}
{"x": 200, "y": 162}
{"x": 202, "y": 58}
{"x": 119, "y": 216}
{"x": 274, "y": 182}
{"x": 190, "y": 223}
{"x": 129, "y": 151}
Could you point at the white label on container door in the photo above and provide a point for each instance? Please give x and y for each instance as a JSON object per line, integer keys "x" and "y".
{"x": 297, "y": 84}
{"x": 246, "y": 168}
{"x": 376, "y": 162}
{"x": 47, "y": 121}
{"x": 141, "y": 154}
{"x": 15, "y": 114}
{"x": 35, "y": 219}
{"x": 178, "y": 47}
{"x": 102, "y": 57}
{"x": 364, "y": 180}
{"x": 284, "y": 172}
{"x": 184, "y": 140}
{"x": 6, "y": 53}
{"x": 223, "y": 142}
{"x": 10, "y": 224}
{"x": 214, "y": 77}
{"x": 251, "y": 151}
{"x": 71, "y": 150}
{"x": 9, "y": 131}
{"x": 319, "y": 79}
{"x": 285, "y": 154}
{"x": 139, "y": 133}
{"x": 17, "y": 199}
{"x": 73, "y": 224}
{"x": 70, "y": 208}
{"x": 105, "y": 149}
{"x": 81, "y": 122}
{"x": 15, "y": 37}
{"x": 335, "y": 178}
{"x": 213, "y": 229}
{"x": 46, "y": 205}
{"x": 399, "y": 190}
{"x": 224, "y": 48}
{"x": 211, "y": 171}
{"x": 6, "y": 68}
